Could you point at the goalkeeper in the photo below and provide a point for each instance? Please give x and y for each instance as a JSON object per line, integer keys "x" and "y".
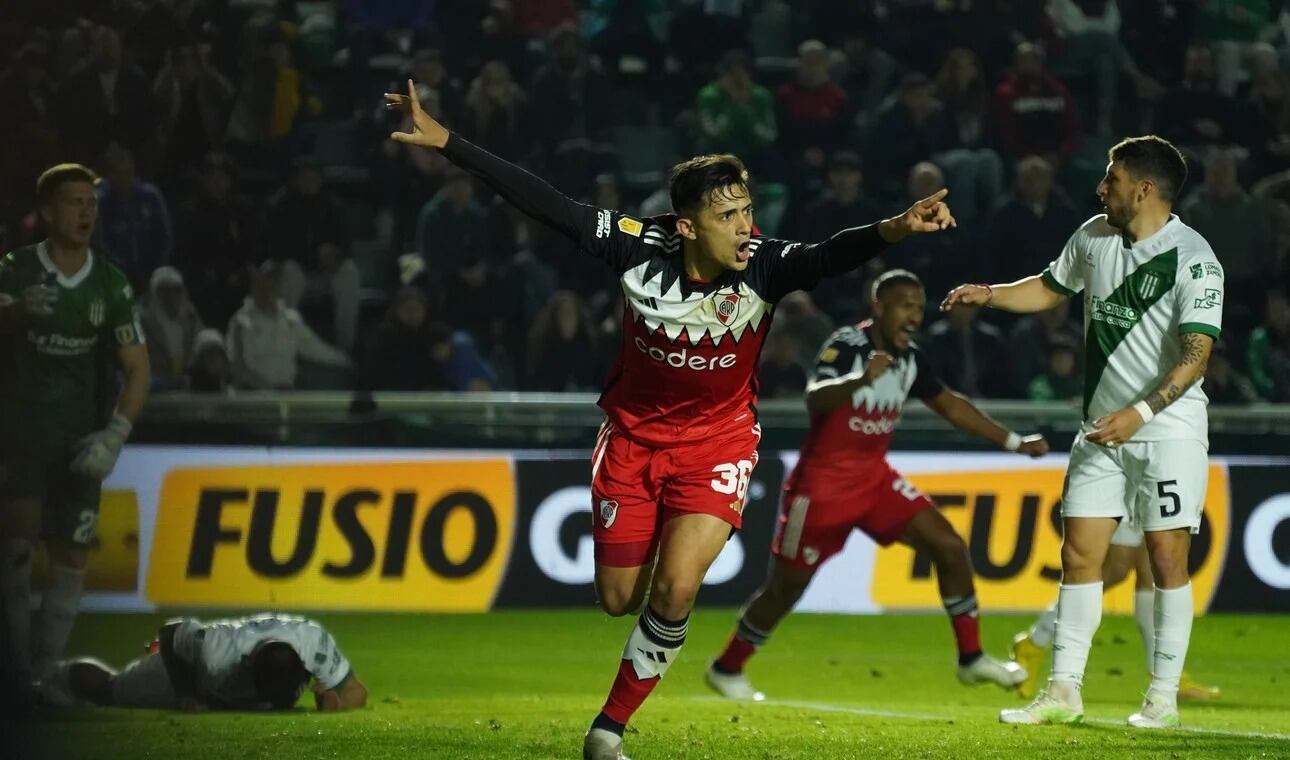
{"x": 66, "y": 315}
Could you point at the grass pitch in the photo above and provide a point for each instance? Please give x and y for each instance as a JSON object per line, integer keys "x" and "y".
{"x": 526, "y": 684}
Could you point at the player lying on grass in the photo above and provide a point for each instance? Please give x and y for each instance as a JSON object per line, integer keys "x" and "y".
{"x": 672, "y": 462}
{"x": 843, "y": 482}
{"x": 263, "y": 662}
{"x": 1127, "y": 553}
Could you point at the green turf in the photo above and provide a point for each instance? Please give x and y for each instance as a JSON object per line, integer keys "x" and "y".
{"x": 525, "y": 685}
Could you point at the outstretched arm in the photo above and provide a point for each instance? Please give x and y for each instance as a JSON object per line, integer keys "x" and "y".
{"x": 959, "y": 411}
{"x": 527, "y": 192}
{"x": 1021, "y": 297}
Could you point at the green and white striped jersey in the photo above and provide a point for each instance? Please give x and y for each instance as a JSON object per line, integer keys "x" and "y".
{"x": 1139, "y": 299}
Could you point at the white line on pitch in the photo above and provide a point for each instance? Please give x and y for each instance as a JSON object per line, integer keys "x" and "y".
{"x": 876, "y": 713}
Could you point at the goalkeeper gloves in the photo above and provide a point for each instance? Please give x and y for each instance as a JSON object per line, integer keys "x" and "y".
{"x": 96, "y": 453}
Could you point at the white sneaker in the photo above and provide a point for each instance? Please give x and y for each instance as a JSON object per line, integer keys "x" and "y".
{"x": 732, "y": 685}
{"x": 986, "y": 669}
{"x": 1157, "y": 711}
{"x": 1056, "y": 704}
{"x": 600, "y": 744}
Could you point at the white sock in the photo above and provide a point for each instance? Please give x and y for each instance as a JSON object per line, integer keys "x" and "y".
{"x": 57, "y": 616}
{"x": 1174, "y": 611}
{"x": 1144, "y": 614}
{"x": 1079, "y": 613}
{"x": 1041, "y": 633}
{"x": 15, "y": 594}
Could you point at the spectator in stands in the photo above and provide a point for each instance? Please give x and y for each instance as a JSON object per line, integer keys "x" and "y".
{"x": 866, "y": 72}
{"x": 910, "y": 128}
{"x": 940, "y": 264}
{"x": 562, "y": 353}
{"x": 193, "y": 102}
{"x": 302, "y": 214}
{"x": 736, "y": 115}
{"x": 813, "y": 108}
{"x": 208, "y": 369}
{"x": 457, "y": 361}
{"x": 634, "y": 60}
{"x": 1269, "y": 349}
{"x": 170, "y": 324}
{"x": 31, "y": 140}
{"x": 780, "y": 374}
{"x": 270, "y": 95}
{"x": 1060, "y": 379}
{"x": 1033, "y": 113}
{"x": 569, "y": 96}
{"x": 1032, "y": 224}
{"x": 1032, "y": 339}
{"x": 963, "y": 89}
{"x": 397, "y": 356}
{"x": 110, "y": 94}
{"x": 1234, "y": 222}
{"x": 218, "y": 236}
{"x": 494, "y": 108}
{"x": 797, "y": 315}
{"x": 266, "y": 339}
{"x": 452, "y": 229}
{"x": 1088, "y": 45}
{"x": 134, "y": 226}
{"x": 1270, "y": 128}
{"x": 969, "y": 354}
{"x": 326, "y": 290}
{"x": 972, "y": 168}
{"x": 842, "y": 203}
{"x": 1224, "y": 384}
{"x": 1230, "y": 28}
{"x": 1194, "y": 114}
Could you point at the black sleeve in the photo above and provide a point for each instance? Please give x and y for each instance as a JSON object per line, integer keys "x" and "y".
{"x": 783, "y": 266}
{"x": 603, "y": 233}
{"x": 838, "y": 356}
{"x": 926, "y": 382}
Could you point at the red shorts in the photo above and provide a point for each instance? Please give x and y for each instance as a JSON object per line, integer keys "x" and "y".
{"x": 635, "y": 489}
{"x": 815, "y": 519}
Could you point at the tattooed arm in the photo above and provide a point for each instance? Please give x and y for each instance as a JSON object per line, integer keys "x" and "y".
{"x": 1189, "y": 369}
{"x": 1118, "y": 427}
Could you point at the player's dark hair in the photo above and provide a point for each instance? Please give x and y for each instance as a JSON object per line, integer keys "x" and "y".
{"x": 702, "y": 179}
{"x": 1153, "y": 158}
{"x": 891, "y": 278}
{"x": 278, "y": 674}
{"x": 56, "y": 176}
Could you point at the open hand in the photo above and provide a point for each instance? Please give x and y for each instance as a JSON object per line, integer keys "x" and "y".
{"x": 968, "y": 295}
{"x": 426, "y": 131}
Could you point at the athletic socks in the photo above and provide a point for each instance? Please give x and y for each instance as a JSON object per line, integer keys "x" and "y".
{"x": 1079, "y": 613}
{"x": 1173, "y": 616}
{"x": 651, "y": 649}
{"x": 1042, "y": 632}
{"x": 1144, "y": 614}
{"x": 57, "y": 616}
{"x": 743, "y": 644}
{"x": 967, "y": 626}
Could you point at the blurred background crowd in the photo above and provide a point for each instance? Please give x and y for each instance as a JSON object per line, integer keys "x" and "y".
{"x": 278, "y": 240}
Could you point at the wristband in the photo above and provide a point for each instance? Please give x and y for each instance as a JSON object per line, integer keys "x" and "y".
{"x": 1012, "y": 442}
{"x": 1144, "y": 409}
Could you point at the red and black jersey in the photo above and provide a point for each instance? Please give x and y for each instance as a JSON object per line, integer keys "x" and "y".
{"x": 686, "y": 369}
{"x": 851, "y": 441}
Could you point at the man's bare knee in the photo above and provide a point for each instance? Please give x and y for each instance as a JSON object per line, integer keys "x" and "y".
{"x": 673, "y": 598}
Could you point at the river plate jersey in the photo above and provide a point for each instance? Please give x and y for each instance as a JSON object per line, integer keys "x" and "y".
{"x": 1139, "y": 299}
{"x": 50, "y": 368}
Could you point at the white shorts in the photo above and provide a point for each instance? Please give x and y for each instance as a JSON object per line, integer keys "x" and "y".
{"x": 1152, "y": 485}
{"x": 1127, "y": 534}
{"x": 144, "y": 683}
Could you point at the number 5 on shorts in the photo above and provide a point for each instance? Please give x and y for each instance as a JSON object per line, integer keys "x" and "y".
{"x": 1164, "y": 493}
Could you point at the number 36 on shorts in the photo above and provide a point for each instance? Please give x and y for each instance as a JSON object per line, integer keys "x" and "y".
{"x": 733, "y": 477}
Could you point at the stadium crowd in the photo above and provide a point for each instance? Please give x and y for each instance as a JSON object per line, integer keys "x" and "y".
{"x": 249, "y": 190}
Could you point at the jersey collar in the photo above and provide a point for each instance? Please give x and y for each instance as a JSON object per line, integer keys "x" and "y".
{"x": 42, "y": 253}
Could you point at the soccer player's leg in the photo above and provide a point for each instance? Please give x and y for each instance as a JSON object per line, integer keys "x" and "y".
{"x": 1171, "y": 494}
{"x": 1096, "y": 495}
{"x": 22, "y": 489}
{"x": 624, "y": 506}
{"x": 1029, "y": 646}
{"x": 70, "y": 527}
{"x": 810, "y": 531}
{"x": 144, "y": 683}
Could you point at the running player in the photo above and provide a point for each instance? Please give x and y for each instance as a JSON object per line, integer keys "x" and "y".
{"x": 1127, "y": 553}
{"x": 842, "y": 481}
{"x": 672, "y": 461}
{"x": 1153, "y": 306}
{"x": 263, "y": 662}
{"x": 65, "y": 315}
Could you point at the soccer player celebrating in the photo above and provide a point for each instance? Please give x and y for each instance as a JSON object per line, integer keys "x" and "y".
{"x": 62, "y": 310}
{"x": 255, "y": 663}
{"x": 1127, "y": 552}
{"x": 842, "y": 481}
{"x": 1153, "y": 305}
{"x": 672, "y": 461}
